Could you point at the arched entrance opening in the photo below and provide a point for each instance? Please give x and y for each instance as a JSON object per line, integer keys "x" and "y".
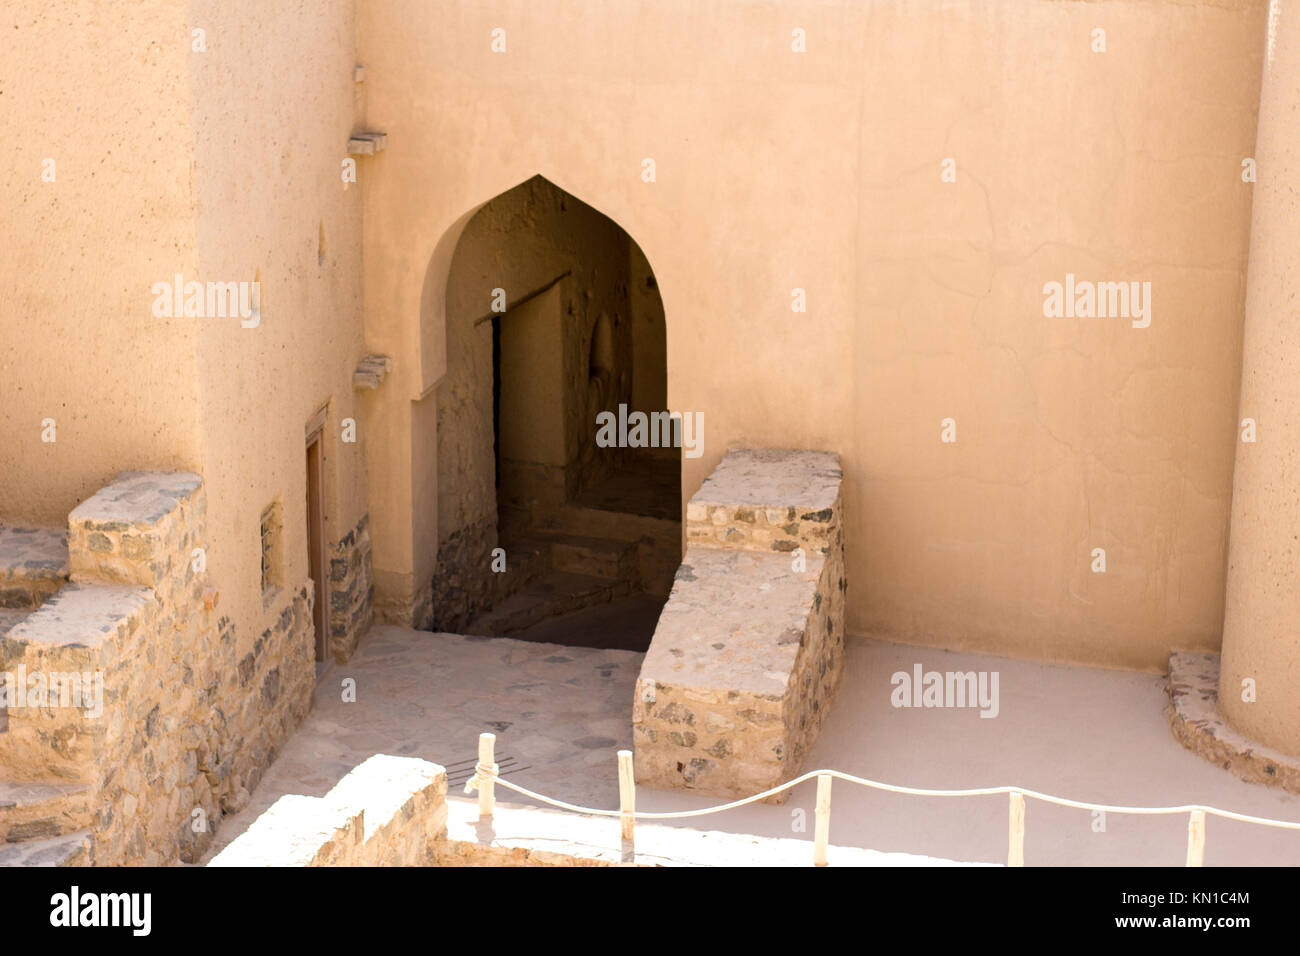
{"x": 550, "y": 527}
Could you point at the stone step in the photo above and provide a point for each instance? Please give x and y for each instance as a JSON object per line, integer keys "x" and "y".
{"x": 658, "y": 541}
{"x": 71, "y": 849}
{"x": 83, "y": 636}
{"x": 42, "y": 811}
{"x": 33, "y": 565}
{"x": 555, "y": 593}
{"x": 606, "y": 558}
{"x": 528, "y": 557}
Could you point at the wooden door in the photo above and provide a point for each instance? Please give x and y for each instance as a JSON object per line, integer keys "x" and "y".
{"x": 316, "y": 559}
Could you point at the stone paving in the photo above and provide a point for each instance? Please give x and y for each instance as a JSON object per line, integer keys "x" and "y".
{"x": 561, "y": 712}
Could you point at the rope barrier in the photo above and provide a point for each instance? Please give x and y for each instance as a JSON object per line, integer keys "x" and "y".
{"x": 894, "y": 788}
{"x": 487, "y": 776}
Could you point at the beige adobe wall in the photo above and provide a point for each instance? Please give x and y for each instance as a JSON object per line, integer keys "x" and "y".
{"x": 215, "y": 165}
{"x": 273, "y": 102}
{"x": 1259, "y": 642}
{"x": 104, "y": 95}
{"x": 821, "y": 171}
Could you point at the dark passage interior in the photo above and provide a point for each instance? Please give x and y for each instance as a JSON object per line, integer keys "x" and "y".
{"x": 552, "y": 527}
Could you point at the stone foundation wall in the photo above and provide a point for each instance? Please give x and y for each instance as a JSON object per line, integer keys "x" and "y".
{"x": 351, "y": 590}
{"x": 187, "y": 727}
{"x": 463, "y": 584}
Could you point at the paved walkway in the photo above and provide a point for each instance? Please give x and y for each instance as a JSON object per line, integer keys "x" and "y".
{"x": 560, "y": 713}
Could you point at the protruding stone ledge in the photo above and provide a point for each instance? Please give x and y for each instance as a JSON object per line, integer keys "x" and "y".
{"x": 367, "y": 144}
{"x": 1194, "y": 717}
{"x": 371, "y": 371}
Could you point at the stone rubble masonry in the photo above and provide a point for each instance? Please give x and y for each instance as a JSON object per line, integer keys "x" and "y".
{"x": 749, "y": 649}
{"x": 188, "y": 723}
{"x": 33, "y": 565}
{"x": 1197, "y": 723}
{"x": 388, "y": 811}
{"x": 351, "y": 591}
{"x": 464, "y": 585}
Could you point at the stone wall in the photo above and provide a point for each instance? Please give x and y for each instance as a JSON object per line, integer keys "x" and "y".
{"x": 750, "y": 647}
{"x": 351, "y": 590}
{"x": 186, "y": 728}
{"x": 463, "y": 584}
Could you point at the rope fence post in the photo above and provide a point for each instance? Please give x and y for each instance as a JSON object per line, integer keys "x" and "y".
{"x": 822, "y": 820}
{"x": 1016, "y": 839}
{"x": 487, "y": 771}
{"x": 1196, "y": 838}
{"x": 626, "y": 793}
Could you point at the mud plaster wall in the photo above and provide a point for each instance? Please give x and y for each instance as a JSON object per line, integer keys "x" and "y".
{"x": 821, "y": 171}
{"x": 271, "y": 133}
{"x": 520, "y": 242}
{"x": 104, "y": 97}
{"x": 220, "y": 164}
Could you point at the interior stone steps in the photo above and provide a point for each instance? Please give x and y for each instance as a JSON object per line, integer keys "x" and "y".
{"x": 33, "y": 565}
{"x": 70, "y": 849}
{"x": 528, "y": 557}
{"x": 607, "y": 558}
{"x": 42, "y": 811}
{"x": 555, "y": 593}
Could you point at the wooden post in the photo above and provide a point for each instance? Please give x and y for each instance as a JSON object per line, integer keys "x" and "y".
{"x": 1016, "y": 840}
{"x": 626, "y": 793}
{"x": 822, "y": 820}
{"x": 1196, "y": 838}
{"x": 487, "y": 759}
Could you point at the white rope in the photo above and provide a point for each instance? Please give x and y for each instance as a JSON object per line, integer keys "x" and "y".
{"x": 482, "y": 773}
{"x": 877, "y": 785}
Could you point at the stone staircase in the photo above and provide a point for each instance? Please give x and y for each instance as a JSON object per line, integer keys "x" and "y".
{"x": 554, "y": 573}
{"x": 33, "y": 566}
{"x": 45, "y": 821}
{"x": 749, "y": 649}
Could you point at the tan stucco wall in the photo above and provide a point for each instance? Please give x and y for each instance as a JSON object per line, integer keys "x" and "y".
{"x": 271, "y": 133}
{"x": 1263, "y": 602}
{"x": 220, "y": 165}
{"x": 821, "y": 171}
{"x": 105, "y": 97}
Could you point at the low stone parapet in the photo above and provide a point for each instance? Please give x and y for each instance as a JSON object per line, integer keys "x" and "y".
{"x": 388, "y": 811}
{"x": 750, "y": 647}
